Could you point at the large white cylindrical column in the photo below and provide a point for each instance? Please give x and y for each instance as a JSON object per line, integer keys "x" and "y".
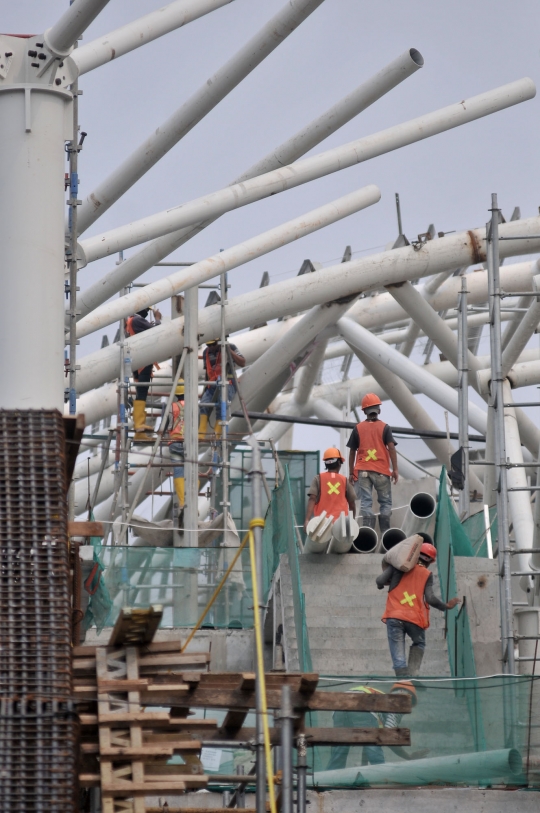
{"x": 32, "y": 208}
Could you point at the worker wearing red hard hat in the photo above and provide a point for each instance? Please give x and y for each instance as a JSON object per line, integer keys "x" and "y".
{"x": 410, "y": 596}
{"x": 330, "y": 491}
{"x": 373, "y": 463}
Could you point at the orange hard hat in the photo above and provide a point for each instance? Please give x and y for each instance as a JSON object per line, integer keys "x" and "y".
{"x": 429, "y": 550}
{"x": 332, "y": 453}
{"x": 405, "y": 686}
{"x": 370, "y": 400}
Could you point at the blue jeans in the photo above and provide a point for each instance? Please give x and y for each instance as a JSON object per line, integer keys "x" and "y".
{"x": 371, "y": 754}
{"x": 176, "y": 451}
{"x": 212, "y": 395}
{"x": 364, "y": 492}
{"x": 396, "y": 629}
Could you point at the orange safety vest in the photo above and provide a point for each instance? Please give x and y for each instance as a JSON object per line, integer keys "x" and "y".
{"x": 213, "y": 371}
{"x": 333, "y": 496}
{"x": 129, "y": 326}
{"x": 177, "y": 431}
{"x": 372, "y": 454}
{"x": 406, "y": 601}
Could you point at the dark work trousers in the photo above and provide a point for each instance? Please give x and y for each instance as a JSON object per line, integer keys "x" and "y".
{"x": 145, "y": 375}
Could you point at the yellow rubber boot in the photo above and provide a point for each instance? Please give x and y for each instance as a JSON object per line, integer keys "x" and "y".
{"x": 203, "y": 426}
{"x": 179, "y": 487}
{"x": 139, "y": 421}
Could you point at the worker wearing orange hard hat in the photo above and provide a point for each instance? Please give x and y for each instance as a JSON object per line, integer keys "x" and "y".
{"x": 410, "y": 596}
{"x": 373, "y": 463}
{"x": 330, "y": 491}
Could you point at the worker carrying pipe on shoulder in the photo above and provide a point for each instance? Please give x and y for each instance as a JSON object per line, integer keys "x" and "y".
{"x": 212, "y": 366}
{"x": 372, "y": 754}
{"x": 373, "y": 463}
{"x": 330, "y": 491}
{"x": 138, "y": 324}
{"x": 410, "y": 596}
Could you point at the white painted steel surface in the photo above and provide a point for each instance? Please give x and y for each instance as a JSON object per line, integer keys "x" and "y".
{"x": 62, "y": 36}
{"x": 162, "y": 139}
{"x": 122, "y": 40}
{"x": 318, "y": 166}
{"x": 419, "y": 514}
{"x": 230, "y": 258}
{"x": 524, "y": 331}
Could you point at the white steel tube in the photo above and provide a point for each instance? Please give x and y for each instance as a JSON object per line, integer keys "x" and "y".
{"x": 230, "y": 258}
{"x": 318, "y": 166}
{"x": 293, "y": 295}
{"x": 523, "y": 332}
{"x": 410, "y": 372}
{"x": 391, "y": 538}
{"x": 419, "y": 514}
{"x": 367, "y": 541}
{"x": 33, "y": 130}
{"x": 287, "y": 152}
{"x": 162, "y": 139}
{"x": 519, "y": 502}
{"x": 413, "y": 331}
{"x": 141, "y": 31}
{"x": 74, "y": 21}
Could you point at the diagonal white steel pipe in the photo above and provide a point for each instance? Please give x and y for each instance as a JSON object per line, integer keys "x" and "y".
{"x": 523, "y": 332}
{"x": 272, "y": 34}
{"x": 301, "y": 142}
{"x": 300, "y": 293}
{"x": 431, "y": 286}
{"x": 141, "y": 31}
{"x": 63, "y": 35}
{"x": 230, "y": 258}
{"x": 318, "y": 166}
{"x": 410, "y": 372}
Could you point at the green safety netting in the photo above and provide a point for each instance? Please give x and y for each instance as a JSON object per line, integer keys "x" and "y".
{"x": 475, "y": 528}
{"x": 99, "y": 601}
{"x": 444, "y": 740}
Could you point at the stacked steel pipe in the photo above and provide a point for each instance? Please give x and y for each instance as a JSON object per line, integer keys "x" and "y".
{"x": 38, "y": 731}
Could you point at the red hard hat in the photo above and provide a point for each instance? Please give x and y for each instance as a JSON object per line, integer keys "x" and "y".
{"x": 370, "y": 400}
{"x": 429, "y": 550}
{"x": 332, "y": 453}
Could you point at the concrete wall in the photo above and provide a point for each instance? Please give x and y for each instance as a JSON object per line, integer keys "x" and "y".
{"x": 478, "y": 581}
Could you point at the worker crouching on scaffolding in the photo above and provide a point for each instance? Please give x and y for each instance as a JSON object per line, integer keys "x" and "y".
{"x": 176, "y": 444}
{"x": 371, "y": 754}
{"x": 134, "y": 325}
{"x": 407, "y": 610}
{"x": 212, "y": 366}
{"x": 330, "y": 491}
{"x": 372, "y": 453}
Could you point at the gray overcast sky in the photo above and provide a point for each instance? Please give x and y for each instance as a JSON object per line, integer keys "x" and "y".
{"x": 468, "y": 47}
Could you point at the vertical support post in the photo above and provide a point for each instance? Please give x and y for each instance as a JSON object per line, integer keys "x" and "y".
{"x": 256, "y": 482}
{"x": 73, "y": 151}
{"x": 191, "y": 417}
{"x": 463, "y": 383}
{"x": 398, "y": 211}
{"x": 224, "y": 423}
{"x": 301, "y": 766}
{"x": 496, "y": 401}
{"x": 286, "y": 750}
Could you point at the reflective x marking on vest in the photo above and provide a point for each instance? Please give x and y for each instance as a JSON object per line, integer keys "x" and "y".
{"x": 371, "y": 454}
{"x": 408, "y": 599}
{"x": 333, "y": 488}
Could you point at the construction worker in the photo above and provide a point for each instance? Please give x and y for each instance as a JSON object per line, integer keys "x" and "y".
{"x": 138, "y": 324}
{"x": 176, "y": 443}
{"x": 373, "y": 463}
{"x": 212, "y": 367}
{"x": 371, "y": 754}
{"x": 410, "y": 596}
{"x": 330, "y": 491}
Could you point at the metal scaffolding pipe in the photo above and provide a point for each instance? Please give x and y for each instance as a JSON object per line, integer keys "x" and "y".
{"x": 216, "y": 88}
{"x": 63, "y": 35}
{"x": 523, "y": 332}
{"x": 293, "y": 295}
{"x": 287, "y": 152}
{"x": 519, "y": 502}
{"x": 309, "y": 169}
{"x": 410, "y": 372}
{"x": 141, "y": 31}
{"x": 231, "y": 258}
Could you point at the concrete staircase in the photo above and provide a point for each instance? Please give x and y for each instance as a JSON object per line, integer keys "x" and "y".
{"x": 343, "y": 614}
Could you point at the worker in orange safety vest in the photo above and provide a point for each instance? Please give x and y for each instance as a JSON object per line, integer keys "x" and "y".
{"x": 410, "y": 596}
{"x": 142, "y": 377}
{"x": 373, "y": 463}
{"x": 330, "y": 491}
